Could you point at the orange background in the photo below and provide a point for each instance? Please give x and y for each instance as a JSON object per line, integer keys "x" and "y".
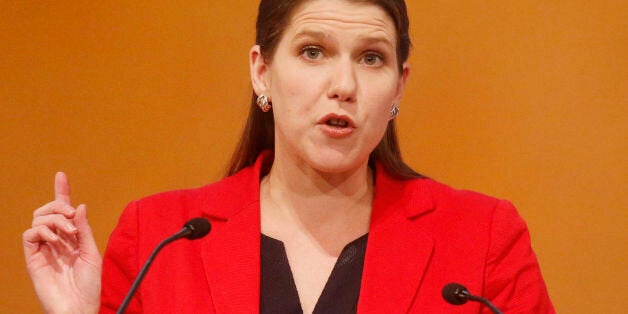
{"x": 524, "y": 100}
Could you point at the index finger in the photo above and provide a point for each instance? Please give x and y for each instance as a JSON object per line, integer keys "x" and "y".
{"x": 62, "y": 188}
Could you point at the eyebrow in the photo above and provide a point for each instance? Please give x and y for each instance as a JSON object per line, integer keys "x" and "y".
{"x": 376, "y": 39}
{"x": 321, "y": 35}
{"x": 314, "y": 34}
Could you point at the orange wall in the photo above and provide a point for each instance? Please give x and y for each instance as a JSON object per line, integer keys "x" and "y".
{"x": 524, "y": 100}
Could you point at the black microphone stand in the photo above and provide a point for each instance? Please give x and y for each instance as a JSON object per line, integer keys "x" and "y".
{"x": 465, "y": 294}
{"x": 184, "y": 232}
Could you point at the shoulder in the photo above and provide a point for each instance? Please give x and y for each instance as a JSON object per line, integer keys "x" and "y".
{"x": 439, "y": 205}
{"x": 163, "y": 212}
{"x": 443, "y": 208}
{"x": 444, "y": 199}
{"x": 462, "y": 217}
{"x": 218, "y": 196}
{"x": 170, "y": 210}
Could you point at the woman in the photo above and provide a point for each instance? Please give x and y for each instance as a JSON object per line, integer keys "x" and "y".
{"x": 319, "y": 214}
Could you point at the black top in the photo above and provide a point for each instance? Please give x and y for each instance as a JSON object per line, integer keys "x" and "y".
{"x": 279, "y": 293}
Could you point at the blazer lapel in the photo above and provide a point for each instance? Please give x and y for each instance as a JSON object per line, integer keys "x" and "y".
{"x": 231, "y": 258}
{"x": 398, "y": 252}
{"x": 231, "y": 252}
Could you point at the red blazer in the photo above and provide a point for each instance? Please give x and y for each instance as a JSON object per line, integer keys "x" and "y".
{"x": 423, "y": 235}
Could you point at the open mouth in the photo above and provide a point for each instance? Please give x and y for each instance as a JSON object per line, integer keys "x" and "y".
{"x": 336, "y": 126}
{"x": 337, "y": 123}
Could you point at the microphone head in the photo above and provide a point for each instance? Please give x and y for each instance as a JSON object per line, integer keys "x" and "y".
{"x": 198, "y": 228}
{"x": 455, "y": 293}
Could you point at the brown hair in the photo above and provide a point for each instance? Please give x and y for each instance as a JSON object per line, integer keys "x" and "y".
{"x": 259, "y": 132}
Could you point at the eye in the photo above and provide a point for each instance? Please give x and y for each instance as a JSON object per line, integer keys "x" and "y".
{"x": 312, "y": 52}
{"x": 372, "y": 59}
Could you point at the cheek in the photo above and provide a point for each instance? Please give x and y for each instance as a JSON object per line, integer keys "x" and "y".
{"x": 289, "y": 97}
{"x": 286, "y": 81}
{"x": 295, "y": 89}
{"x": 380, "y": 93}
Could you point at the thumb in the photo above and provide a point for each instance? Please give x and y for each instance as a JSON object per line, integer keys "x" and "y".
{"x": 86, "y": 242}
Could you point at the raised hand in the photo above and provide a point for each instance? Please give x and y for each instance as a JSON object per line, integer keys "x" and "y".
{"x": 61, "y": 255}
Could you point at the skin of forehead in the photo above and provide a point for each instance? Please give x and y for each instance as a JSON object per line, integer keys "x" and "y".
{"x": 353, "y": 16}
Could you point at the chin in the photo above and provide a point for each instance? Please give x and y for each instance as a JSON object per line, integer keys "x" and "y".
{"x": 336, "y": 162}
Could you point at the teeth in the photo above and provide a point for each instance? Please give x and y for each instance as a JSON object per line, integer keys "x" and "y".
{"x": 337, "y": 122}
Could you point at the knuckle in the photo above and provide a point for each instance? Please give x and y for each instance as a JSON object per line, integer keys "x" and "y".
{"x": 27, "y": 234}
{"x": 42, "y": 210}
{"x": 46, "y": 220}
{"x": 31, "y": 234}
{"x": 54, "y": 207}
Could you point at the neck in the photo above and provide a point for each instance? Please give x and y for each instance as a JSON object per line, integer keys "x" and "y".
{"x": 308, "y": 199}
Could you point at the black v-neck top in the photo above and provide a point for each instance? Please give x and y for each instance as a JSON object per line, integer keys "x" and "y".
{"x": 279, "y": 293}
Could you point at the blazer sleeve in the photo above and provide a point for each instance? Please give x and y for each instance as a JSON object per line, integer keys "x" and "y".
{"x": 513, "y": 277}
{"x": 120, "y": 263}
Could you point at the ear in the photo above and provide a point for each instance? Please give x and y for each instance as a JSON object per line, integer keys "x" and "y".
{"x": 401, "y": 85}
{"x": 260, "y": 76}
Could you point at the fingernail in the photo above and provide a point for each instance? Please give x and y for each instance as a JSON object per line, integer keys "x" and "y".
{"x": 70, "y": 227}
{"x": 70, "y": 209}
{"x": 53, "y": 235}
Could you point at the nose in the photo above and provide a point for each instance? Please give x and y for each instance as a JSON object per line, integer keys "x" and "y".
{"x": 343, "y": 83}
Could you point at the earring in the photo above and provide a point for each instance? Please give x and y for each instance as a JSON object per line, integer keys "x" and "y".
{"x": 262, "y": 103}
{"x": 394, "y": 111}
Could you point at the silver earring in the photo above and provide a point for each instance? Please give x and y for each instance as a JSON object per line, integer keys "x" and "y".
{"x": 262, "y": 103}
{"x": 394, "y": 111}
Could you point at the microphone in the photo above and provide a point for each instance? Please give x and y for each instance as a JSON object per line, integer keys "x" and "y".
{"x": 193, "y": 229}
{"x": 457, "y": 294}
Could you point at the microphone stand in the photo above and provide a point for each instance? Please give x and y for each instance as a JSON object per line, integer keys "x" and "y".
{"x": 467, "y": 295}
{"x": 183, "y": 233}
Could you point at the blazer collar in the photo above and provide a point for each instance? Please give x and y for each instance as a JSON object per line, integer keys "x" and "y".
{"x": 231, "y": 259}
{"x": 226, "y": 198}
{"x": 398, "y": 251}
{"x": 231, "y": 253}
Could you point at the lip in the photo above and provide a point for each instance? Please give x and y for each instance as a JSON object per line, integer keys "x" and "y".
{"x": 336, "y": 132}
{"x": 324, "y": 119}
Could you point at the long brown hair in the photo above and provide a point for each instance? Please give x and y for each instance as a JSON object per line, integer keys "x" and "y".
{"x": 259, "y": 132}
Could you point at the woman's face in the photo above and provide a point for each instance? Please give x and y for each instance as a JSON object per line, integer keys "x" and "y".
{"x": 332, "y": 81}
